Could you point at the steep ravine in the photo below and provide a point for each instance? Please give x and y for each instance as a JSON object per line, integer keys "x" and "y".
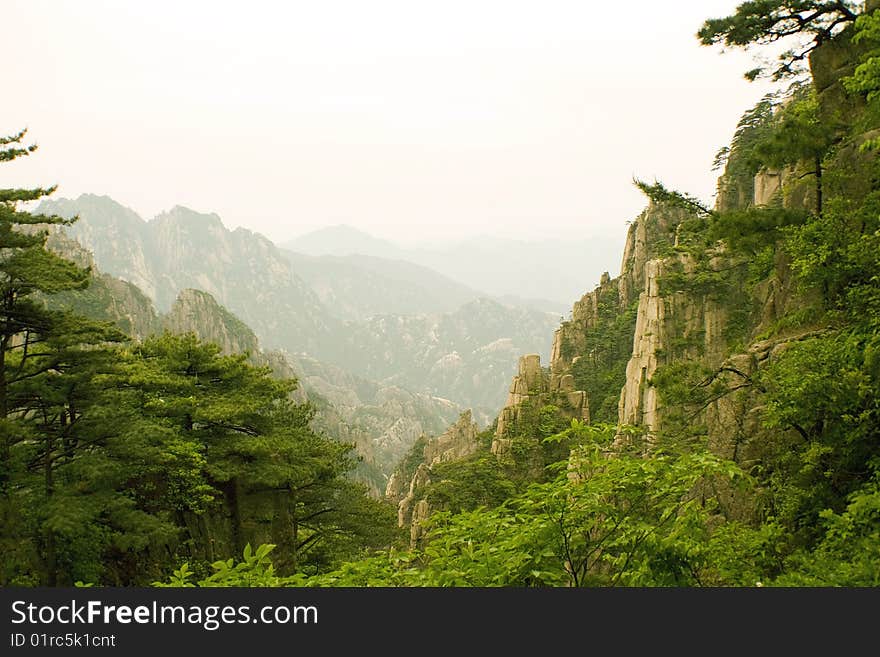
{"x": 382, "y": 421}
{"x": 392, "y": 322}
{"x": 683, "y": 312}
{"x": 606, "y": 355}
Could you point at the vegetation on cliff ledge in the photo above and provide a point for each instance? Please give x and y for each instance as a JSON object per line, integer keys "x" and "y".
{"x": 753, "y": 456}
{"x": 762, "y": 466}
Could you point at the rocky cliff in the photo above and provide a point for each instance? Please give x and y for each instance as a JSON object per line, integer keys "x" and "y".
{"x": 382, "y": 421}
{"x": 407, "y": 488}
{"x": 675, "y": 346}
{"x": 393, "y": 322}
{"x": 531, "y": 390}
{"x": 107, "y": 298}
{"x": 182, "y": 249}
{"x": 198, "y": 312}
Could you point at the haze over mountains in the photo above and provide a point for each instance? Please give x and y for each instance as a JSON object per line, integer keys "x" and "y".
{"x": 357, "y": 287}
{"x": 396, "y": 348}
{"x": 520, "y": 272}
{"x": 182, "y": 249}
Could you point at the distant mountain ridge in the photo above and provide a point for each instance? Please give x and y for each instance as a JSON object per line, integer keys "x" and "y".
{"x": 381, "y": 420}
{"x": 344, "y": 240}
{"x": 396, "y": 323}
{"x": 465, "y": 355}
{"x": 182, "y": 249}
{"x": 501, "y": 267}
{"x": 357, "y": 287}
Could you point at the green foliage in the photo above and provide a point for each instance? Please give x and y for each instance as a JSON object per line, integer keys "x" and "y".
{"x": 751, "y": 231}
{"x": 839, "y": 254}
{"x": 826, "y": 389}
{"x": 10, "y": 149}
{"x": 480, "y": 480}
{"x": 798, "y": 133}
{"x": 738, "y": 160}
{"x": 186, "y": 437}
{"x": 849, "y": 551}
{"x": 752, "y": 128}
{"x": 601, "y": 367}
{"x": 739, "y": 554}
{"x": 866, "y": 77}
{"x": 59, "y": 499}
{"x": 255, "y": 569}
{"x": 606, "y": 518}
{"x": 805, "y": 24}
{"x": 660, "y": 194}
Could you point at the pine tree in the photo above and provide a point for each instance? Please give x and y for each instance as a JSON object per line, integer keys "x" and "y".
{"x": 26, "y": 268}
{"x": 48, "y": 363}
{"x": 262, "y": 458}
{"x": 804, "y": 24}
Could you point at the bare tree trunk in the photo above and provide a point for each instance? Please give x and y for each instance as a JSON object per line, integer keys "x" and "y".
{"x": 5, "y": 444}
{"x": 51, "y": 556}
{"x": 233, "y": 494}
{"x": 294, "y": 550}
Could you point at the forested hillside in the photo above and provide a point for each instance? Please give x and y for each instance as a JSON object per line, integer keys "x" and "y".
{"x": 709, "y": 416}
{"x": 119, "y": 458}
{"x": 731, "y": 373}
{"x": 381, "y": 420}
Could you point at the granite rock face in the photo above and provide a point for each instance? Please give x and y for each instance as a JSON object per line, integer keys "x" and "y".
{"x": 457, "y": 345}
{"x": 534, "y": 386}
{"x": 382, "y": 421}
{"x": 198, "y": 312}
{"x": 457, "y": 442}
{"x": 183, "y": 249}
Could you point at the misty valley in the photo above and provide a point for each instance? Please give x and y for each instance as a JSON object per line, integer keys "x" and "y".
{"x": 185, "y": 404}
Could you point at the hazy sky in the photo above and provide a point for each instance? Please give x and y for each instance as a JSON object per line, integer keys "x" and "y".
{"x": 406, "y": 119}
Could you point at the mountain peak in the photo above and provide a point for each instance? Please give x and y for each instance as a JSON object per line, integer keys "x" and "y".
{"x": 101, "y": 210}
{"x": 185, "y": 216}
{"x": 342, "y": 240}
{"x": 344, "y": 229}
{"x": 97, "y": 198}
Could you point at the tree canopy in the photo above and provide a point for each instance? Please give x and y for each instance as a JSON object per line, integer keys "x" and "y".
{"x": 800, "y": 26}
{"x": 118, "y": 459}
